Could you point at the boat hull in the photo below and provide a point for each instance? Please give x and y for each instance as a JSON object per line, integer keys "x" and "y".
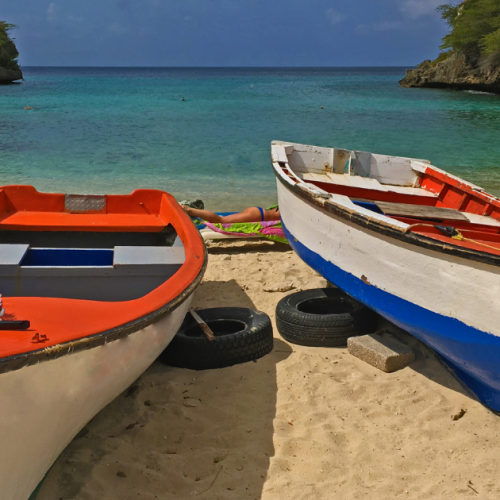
{"x": 61, "y": 395}
{"x": 446, "y": 301}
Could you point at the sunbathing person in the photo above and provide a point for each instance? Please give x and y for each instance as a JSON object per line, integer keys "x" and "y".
{"x": 251, "y": 214}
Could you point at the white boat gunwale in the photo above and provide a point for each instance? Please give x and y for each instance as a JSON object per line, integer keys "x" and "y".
{"x": 21, "y": 360}
{"x": 378, "y": 223}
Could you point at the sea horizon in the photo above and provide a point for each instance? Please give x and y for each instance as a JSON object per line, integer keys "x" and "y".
{"x": 221, "y": 67}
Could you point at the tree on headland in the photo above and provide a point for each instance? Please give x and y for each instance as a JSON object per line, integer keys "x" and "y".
{"x": 471, "y": 60}
{"x": 475, "y": 28}
{"x": 8, "y": 51}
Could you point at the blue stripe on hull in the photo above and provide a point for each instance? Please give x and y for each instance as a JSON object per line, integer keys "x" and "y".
{"x": 472, "y": 353}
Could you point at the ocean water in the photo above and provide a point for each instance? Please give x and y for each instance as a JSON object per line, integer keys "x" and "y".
{"x": 112, "y": 130}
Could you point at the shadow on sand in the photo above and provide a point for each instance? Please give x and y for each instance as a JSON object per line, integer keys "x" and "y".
{"x": 247, "y": 246}
{"x": 177, "y": 433}
{"x": 428, "y": 362}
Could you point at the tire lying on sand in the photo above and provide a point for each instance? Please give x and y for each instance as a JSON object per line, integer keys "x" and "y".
{"x": 323, "y": 317}
{"x": 241, "y": 335}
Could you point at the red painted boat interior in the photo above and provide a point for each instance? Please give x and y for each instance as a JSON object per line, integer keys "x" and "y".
{"x": 452, "y": 193}
{"x": 63, "y": 320}
{"x": 23, "y": 207}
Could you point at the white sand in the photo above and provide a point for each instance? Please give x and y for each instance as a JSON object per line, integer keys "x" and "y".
{"x": 301, "y": 423}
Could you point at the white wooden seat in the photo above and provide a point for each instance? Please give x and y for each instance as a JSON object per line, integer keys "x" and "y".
{"x": 125, "y": 273}
{"x": 12, "y": 254}
{"x": 278, "y": 153}
{"x": 345, "y": 180}
{"x": 411, "y": 191}
{"x": 319, "y": 178}
{"x": 361, "y": 182}
{"x": 365, "y": 183}
{"x": 482, "y": 219}
{"x": 134, "y": 256}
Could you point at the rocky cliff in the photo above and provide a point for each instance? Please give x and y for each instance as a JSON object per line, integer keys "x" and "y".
{"x": 10, "y": 75}
{"x": 9, "y": 69}
{"x": 457, "y": 71}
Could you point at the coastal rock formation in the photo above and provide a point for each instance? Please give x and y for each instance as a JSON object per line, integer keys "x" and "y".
{"x": 10, "y": 75}
{"x": 457, "y": 71}
{"x": 471, "y": 60}
{"x": 9, "y": 69}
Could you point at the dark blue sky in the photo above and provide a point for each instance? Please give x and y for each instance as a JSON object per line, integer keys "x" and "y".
{"x": 225, "y": 32}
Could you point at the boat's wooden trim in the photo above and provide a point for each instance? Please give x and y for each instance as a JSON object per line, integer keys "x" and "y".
{"x": 18, "y": 361}
{"x": 379, "y": 227}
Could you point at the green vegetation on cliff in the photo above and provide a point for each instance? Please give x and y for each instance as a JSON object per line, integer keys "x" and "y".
{"x": 8, "y": 51}
{"x": 475, "y": 27}
{"x": 472, "y": 57}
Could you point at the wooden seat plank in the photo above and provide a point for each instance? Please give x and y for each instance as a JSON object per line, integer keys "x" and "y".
{"x": 411, "y": 190}
{"x": 309, "y": 176}
{"x": 339, "y": 179}
{"x": 366, "y": 183}
{"x": 279, "y": 153}
{"x": 96, "y": 222}
{"x": 486, "y": 220}
{"x": 420, "y": 211}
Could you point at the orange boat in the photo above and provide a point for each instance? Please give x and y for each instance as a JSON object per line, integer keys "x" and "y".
{"x": 93, "y": 289}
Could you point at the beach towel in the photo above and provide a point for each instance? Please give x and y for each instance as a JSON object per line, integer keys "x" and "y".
{"x": 272, "y": 230}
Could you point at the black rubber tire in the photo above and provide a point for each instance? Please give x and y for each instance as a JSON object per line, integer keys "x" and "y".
{"x": 241, "y": 335}
{"x": 323, "y": 317}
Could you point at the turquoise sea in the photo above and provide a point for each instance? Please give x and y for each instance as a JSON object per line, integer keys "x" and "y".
{"x": 112, "y": 130}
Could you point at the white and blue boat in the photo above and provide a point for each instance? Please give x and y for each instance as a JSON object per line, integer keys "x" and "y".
{"x": 419, "y": 246}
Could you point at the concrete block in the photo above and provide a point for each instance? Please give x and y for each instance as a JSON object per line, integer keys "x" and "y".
{"x": 381, "y": 352}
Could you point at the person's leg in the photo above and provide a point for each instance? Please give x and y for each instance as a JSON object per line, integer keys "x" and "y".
{"x": 202, "y": 214}
{"x": 251, "y": 214}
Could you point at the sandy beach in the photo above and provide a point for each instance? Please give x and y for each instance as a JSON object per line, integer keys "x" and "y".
{"x": 300, "y": 423}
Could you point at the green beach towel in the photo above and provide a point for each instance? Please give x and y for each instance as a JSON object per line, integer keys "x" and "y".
{"x": 272, "y": 230}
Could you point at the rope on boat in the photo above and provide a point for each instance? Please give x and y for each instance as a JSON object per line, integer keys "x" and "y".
{"x": 460, "y": 237}
{"x": 453, "y": 233}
